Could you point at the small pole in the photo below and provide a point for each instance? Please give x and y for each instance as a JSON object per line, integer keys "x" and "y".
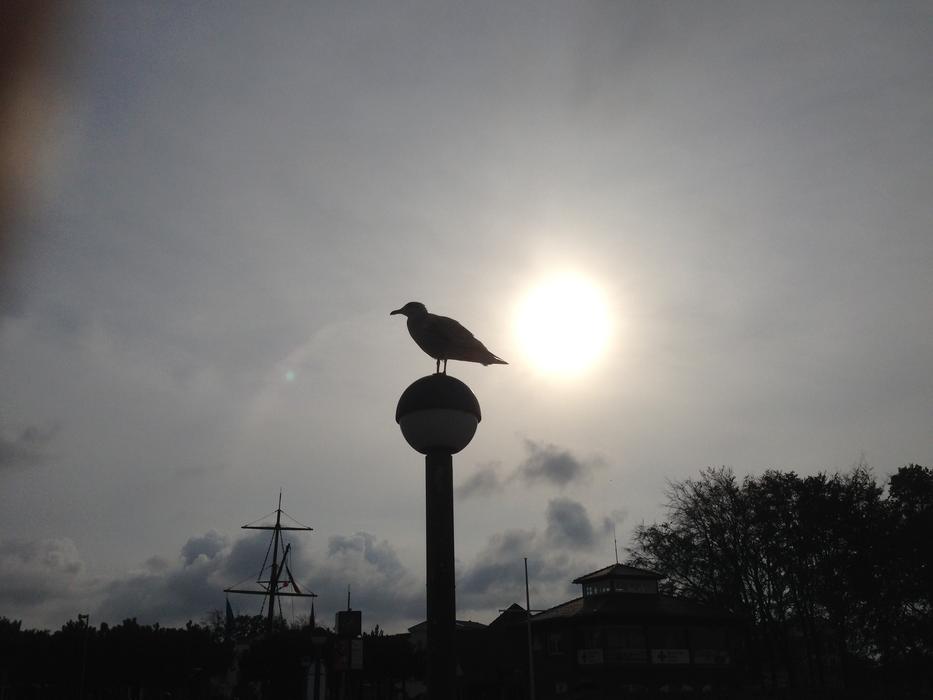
{"x": 615, "y": 542}
{"x": 531, "y": 658}
{"x": 274, "y": 577}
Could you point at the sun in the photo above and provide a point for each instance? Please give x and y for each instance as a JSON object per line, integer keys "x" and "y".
{"x": 563, "y": 324}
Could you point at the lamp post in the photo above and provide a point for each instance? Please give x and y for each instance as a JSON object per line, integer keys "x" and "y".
{"x": 318, "y": 638}
{"x": 438, "y": 415}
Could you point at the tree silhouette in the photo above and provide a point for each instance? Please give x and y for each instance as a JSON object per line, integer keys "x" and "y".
{"x": 826, "y": 569}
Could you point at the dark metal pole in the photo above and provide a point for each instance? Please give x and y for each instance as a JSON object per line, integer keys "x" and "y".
{"x": 274, "y": 577}
{"x": 531, "y": 656}
{"x": 441, "y": 603}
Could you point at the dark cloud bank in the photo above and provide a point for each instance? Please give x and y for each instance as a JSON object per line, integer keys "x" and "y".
{"x": 192, "y": 585}
{"x": 27, "y": 448}
{"x": 45, "y": 582}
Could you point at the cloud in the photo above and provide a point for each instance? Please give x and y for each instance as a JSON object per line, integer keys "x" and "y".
{"x": 191, "y": 586}
{"x": 187, "y": 588}
{"x": 545, "y": 463}
{"x": 33, "y": 571}
{"x": 497, "y": 567}
{"x": 616, "y": 517}
{"x": 484, "y": 482}
{"x": 45, "y": 582}
{"x": 381, "y": 586}
{"x": 496, "y": 576}
{"x": 563, "y": 551}
{"x": 26, "y": 449}
{"x": 42, "y": 582}
{"x": 568, "y": 524}
{"x": 208, "y": 546}
{"x": 378, "y": 554}
{"x": 554, "y": 465}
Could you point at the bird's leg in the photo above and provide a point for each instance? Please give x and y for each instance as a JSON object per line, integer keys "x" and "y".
{"x": 445, "y": 365}
{"x": 438, "y": 367}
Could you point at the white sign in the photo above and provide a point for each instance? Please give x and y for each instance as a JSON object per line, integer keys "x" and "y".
{"x": 711, "y": 657}
{"x": 627, "y": 656}
{"x": 670, "y": 656}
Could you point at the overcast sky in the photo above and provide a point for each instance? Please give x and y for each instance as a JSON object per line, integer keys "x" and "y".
{"x": 231, "y": 197}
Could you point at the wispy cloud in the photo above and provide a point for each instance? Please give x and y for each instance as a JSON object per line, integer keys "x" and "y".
{"x": 568, "y": 524}
{"x": 554, "y": 465}
{"x": 43, "y": 582}
{"x": 28, "y": 448}
{"x": 544, "y": 464}
{"x": 483, "y": 482}
{"x": 556, "y": 555}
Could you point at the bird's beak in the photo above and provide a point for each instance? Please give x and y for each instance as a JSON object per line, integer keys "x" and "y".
{"x": 397, "y": 311}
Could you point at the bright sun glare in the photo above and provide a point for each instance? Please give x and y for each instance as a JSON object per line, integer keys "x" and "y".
{"x": 563, "y": 324}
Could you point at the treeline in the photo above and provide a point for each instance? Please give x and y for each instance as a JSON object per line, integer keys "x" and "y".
{"x": 243, "y": 657}
{"x": 827, "y": 570}
{"x": 111, "y": 660}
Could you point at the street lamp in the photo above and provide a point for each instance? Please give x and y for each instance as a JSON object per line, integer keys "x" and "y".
{"x": 318, "y": 638}
{"x": 438, "y": 415}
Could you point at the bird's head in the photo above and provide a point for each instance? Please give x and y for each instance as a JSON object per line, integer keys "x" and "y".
{"x": 411, "y": 309}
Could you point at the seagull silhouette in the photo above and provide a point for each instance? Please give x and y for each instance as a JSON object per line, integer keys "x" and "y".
{"x": 443, "y": 338}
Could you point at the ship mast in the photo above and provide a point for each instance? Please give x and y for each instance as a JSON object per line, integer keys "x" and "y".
{"x": 273, "y": 587}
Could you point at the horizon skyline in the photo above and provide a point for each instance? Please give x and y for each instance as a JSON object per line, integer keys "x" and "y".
{"x": 716, "y": 219}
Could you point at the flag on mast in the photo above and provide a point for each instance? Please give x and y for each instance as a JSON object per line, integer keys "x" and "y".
{"x": 230, "y": 621}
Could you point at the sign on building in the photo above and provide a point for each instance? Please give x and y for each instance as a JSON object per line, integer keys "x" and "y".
{"x": 626, "y": 656}
{"x": 711, "y": 657}
{"x": 670, "y": 656}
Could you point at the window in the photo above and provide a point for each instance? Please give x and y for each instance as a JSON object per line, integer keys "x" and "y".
{"x": 555, "y": 643}
{"x": 592, "y": 638}
{"x": 632, "y": 585}
{"x": 625, "y": 637}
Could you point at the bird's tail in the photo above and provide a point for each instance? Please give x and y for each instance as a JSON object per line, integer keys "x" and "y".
{"x": 493, "y": 360}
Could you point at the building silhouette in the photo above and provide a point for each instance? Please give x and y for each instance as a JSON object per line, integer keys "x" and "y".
{"x": 622, "y": 636}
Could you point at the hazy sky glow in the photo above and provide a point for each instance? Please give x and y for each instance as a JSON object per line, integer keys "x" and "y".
{"x": 231, "y": 197}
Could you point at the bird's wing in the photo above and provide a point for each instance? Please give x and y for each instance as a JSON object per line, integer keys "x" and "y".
{"x": 448, "y": 329}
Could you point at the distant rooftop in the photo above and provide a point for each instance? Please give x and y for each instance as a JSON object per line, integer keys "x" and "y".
{"x": 512, "y": 614}
{"x": 617, "y": 571}
{"x": 460, "y": 625}
{"x": 632, "y": 607}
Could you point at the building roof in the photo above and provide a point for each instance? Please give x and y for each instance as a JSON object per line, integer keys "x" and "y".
{"x": 632, "y": 607}
{"x": 617, "y": 571}
{"x": 459, "y": 625}
{"x": 511, "y": 615}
